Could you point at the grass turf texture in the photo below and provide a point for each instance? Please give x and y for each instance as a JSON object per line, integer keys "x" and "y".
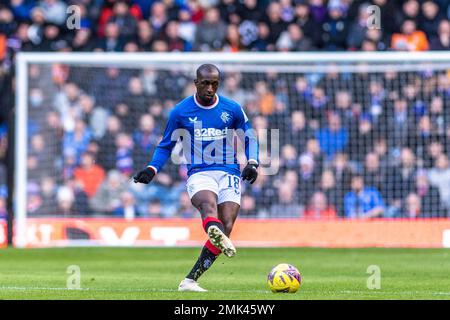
{"x": 154, "y": 273}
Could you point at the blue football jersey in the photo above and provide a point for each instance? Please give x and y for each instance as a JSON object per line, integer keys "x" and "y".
{"x": 206, "y": 134}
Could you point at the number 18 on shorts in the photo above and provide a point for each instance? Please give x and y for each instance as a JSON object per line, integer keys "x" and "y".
{"x": 226, "y": 186}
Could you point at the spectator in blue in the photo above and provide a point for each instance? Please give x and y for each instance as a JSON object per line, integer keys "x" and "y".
{"x": 318, "y": 11}
{"x": 261, "y": 43}
{"x": 333, "y": 138}
{"x": 124, "y": 19}
{"x": 159, "y": 190}
{"x": 124, "y": 153}
{"x": 78, "y": 139}
{"x": 145, "y": 138}
{"x": 301, "y": 93}
{"x": 3, "y": 131}
{"x": 127, "y": 208}
{"x": 430, "y": 19}
{"x": 53, "y": 10}
{"x": 113, "y": 40}
{"x": 145, "y": 6}
{"x": 22, "y": 8}
{"x": 335, "y": 28}
{"x": 362, "y": 201}
{"x": 317, "y": 102}
{"x": 358, "y": 29}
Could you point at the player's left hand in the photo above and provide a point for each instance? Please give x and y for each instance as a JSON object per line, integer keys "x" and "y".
{"x": 250, "y": 172}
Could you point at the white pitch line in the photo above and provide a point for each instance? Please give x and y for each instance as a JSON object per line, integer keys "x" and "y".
{"x": 387, "y": 292}
{"x": 369, "y": 292}
{"x": 119, "y": 290}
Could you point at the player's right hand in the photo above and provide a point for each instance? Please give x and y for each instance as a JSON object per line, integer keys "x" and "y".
{"x": 144, "y": 176}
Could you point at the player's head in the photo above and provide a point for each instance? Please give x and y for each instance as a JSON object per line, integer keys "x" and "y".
{"x": 207, "y": 83}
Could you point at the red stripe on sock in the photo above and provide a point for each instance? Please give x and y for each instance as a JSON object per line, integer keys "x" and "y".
{"x": 216, "y": 251}
{"x": 209, "y": 219}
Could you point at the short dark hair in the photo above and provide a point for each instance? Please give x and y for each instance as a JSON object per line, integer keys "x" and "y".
{"x": 207, "y": 67}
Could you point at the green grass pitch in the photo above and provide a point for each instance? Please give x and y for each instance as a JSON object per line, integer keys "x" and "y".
{"x": 154, "y": 273}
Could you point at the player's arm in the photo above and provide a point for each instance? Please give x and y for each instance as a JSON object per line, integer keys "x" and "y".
{"x": 250, "y": 141}
{"x": 162, "y": 152}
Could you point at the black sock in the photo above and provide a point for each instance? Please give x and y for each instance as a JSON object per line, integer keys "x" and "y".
{"x": 205, "y": 260}
{"x": 213, "y": 222}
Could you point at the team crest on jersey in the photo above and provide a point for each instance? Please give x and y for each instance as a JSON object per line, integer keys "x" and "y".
{"x": 225, "y": 116}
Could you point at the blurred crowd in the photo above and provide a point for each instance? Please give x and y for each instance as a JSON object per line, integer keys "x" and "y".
{"x": 352, "y": 145}
{"x": 223, "y": 25}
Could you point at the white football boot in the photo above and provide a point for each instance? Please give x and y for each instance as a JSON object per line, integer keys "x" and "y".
{"x": 221, "y": 241}
{"x": 190, "y": 285}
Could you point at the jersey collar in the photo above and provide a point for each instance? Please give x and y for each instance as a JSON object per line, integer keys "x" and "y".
{"x": 206, "y": 107}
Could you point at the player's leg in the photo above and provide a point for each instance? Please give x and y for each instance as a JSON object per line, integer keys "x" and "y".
{"x": 206, "y": 203}
{"x": 228, "y": 212}
{"x": 202, "y": 189}
{"x": 228, "y": 199}
{"x": 213, "y": 224}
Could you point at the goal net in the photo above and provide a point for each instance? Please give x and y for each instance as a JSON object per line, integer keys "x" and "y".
{"x": 344, "y": 137}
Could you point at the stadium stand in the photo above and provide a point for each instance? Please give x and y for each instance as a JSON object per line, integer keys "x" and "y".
{"x": 380, "y": 149}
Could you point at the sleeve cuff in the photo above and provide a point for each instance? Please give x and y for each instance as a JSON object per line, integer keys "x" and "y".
{"x": 153, "y": 168}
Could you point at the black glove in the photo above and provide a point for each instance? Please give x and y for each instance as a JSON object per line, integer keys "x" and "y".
{"x": 144, "y": 176}
{"x": 250, "y": 172}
